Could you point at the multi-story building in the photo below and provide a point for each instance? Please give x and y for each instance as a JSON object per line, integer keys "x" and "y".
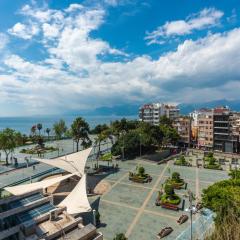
{"x": 235, "y": 123}
{"x": 183, "y": 125}
{"x": 33, "y": 216}
{"x": 217, "y": 129}
{"x": 205, "y": 129}
{"x": 152, "y": 112}
{"x": 225, "y": 135}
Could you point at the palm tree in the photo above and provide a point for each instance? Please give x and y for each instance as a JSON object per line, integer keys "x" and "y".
{"x": 48, "y": 130}
{"x": 8, "y": 141}
{"x": 39, "y": 127}
{"x": 98, "y": 140}
{"x": 59, "y": 128}
{"x": 33, "y": 130}
{"x": 80, "y": 131}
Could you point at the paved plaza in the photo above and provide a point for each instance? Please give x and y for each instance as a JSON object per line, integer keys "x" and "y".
{"x": 129, "y": 207}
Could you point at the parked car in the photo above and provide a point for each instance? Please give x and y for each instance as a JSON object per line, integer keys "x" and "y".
{"x": 164, "y": 232}
{"x": 182, "y": 219}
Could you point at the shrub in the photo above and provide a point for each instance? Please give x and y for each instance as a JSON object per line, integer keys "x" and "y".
{"x": 176, "y": 177}
{"x": 174, "y": 199}
{"x": 120, "y": 236}
{"x": 141, "y": 171}
{"x": 169, "y": 190}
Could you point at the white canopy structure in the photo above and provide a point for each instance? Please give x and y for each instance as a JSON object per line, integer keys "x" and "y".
{"x": 73, "y": 163}
{"x": 21, "y": 189}
{"x": 77, "y": 202}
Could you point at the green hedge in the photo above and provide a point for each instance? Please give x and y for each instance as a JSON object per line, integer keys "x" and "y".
{"x": 175, "y": 199}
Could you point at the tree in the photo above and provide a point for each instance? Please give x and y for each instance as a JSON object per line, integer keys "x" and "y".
{"x": 141, "y": 171}
{"x": 130, "y": 142}
{"x": 7, "y": 141}
{"x": 99, "y": 128}
{"x": 33, "y": 130}
{"x": 39, "y": 127}
{"x": 170, "y": 134}
{"x": 120, "y": 236}
{"x": 164, "y": 120}
{"x": 48, "y": 130}
{"x": 169, "y": 190}
{"x": 102, "y": 136}
{"x": 59, "y": 128}
{"x": 235, "y": 174}
{"x": 176, "y": 177}
{"x": 223, "y": 197}
{"x": 80, "y": 131}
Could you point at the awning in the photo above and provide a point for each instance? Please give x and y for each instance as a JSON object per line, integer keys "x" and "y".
{"x": 72, "y": 163}
{"x": 77, "y": 201}
{"x": 21, "y": 189}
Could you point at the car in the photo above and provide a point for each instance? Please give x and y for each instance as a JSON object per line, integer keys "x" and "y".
{"x": 182, "y": 219}
{"x": 164, "y": 232}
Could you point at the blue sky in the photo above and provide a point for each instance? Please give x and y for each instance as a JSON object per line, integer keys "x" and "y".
{"x": 57, "y": 56}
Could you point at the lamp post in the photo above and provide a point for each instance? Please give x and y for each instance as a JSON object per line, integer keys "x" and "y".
{"x": 122, "y": 134}
{"x": 140, "y": 145}
{"x": 191, "y": 210}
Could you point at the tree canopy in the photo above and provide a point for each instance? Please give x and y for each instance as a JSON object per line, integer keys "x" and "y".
{"x": 80, "y": 131}
{"x": 59, "y": 128}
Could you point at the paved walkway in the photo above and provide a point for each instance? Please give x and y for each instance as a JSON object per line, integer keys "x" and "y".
{"x": 140, "y": 211}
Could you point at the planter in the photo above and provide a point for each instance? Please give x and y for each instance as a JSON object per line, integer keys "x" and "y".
{"x": 170, "y": 206}
{"x": 140, "y": 180}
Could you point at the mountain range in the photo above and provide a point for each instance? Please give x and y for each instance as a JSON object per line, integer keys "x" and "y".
{"x": 132, "y": 109}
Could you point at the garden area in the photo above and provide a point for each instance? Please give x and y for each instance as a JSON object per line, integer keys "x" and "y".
{"x": 210, "y": 162}
{"x": 167, "y": 198}
{"x": 181, "y": 161}
{"x": 140, "y": 176}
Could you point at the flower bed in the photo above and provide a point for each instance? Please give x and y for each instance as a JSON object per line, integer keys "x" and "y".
{"x": 140, "y": 176}
{"x": 140, "y": 179}
{"x": 215, "y": 167}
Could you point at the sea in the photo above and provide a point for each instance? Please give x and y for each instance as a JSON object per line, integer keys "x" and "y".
{"x": 24, "y": 124}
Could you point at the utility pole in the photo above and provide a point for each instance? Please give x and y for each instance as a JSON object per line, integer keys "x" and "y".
{"x": 191, "y": 210}
{"x": 140, "y": 150}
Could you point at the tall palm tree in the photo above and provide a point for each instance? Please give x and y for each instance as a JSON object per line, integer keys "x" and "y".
{"x": 39, "y": 127}
{"x": 98, "y": 140}
{"x": 80, "y": 131}
{"x": 33, "y": 130}
{"x": 59, "y": 128}
{"x": 48, "y": 130}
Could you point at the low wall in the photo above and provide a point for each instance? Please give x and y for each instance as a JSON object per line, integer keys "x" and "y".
{"x": 158, "y": 156}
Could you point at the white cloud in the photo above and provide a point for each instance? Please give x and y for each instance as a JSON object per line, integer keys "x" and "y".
{"x": 24, "y": 31}
{"x": 50, "y": 31}
{"x": 74, "y": 74}
{"x": 208, "y": 17}
{"x": 74, "y": 7}
{"x": 3, "y": 41}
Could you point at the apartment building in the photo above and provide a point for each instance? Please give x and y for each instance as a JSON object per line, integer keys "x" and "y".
{"x": 33, "y": 216}
{"x": 226, "y": 138}
{"x": 152, "y": 112}
{"x": 235, "y": 123}
{"x": 183, "y": 125}
{"x": 216, "y": 129}
{"x": 205, "y": 129}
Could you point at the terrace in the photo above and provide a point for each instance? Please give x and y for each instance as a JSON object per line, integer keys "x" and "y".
{"x": 129, "y": 207}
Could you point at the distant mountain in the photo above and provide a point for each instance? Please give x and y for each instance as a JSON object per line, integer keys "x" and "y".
{"x": 186, "y": 108}
{"x": 132, "y": 110}
{"x": 118, "y": 110}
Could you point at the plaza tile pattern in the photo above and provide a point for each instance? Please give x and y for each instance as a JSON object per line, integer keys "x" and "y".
{"x": 130, "y": 207}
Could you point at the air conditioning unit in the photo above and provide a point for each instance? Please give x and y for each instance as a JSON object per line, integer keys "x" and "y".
{"x": 53, "y": 215}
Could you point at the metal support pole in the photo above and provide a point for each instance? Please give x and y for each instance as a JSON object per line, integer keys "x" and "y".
{"x": 94, "y": 217}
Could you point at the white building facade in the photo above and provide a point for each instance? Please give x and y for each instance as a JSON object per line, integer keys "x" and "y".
{"x": 152, "y": 112}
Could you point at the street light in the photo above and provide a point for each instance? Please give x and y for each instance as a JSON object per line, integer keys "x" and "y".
{"x": 140, "y": 147}
{"x": 192, "y": 209}
{"x": 122, "y": 134}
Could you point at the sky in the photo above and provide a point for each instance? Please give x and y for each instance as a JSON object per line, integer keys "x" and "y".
{"x": 65, "y": 55}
